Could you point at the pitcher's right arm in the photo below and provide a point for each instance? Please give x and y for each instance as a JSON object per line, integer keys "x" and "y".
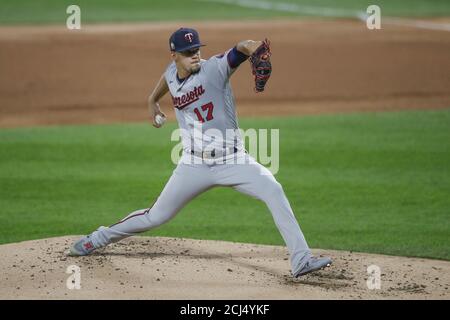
{"x": 153, "y": 100}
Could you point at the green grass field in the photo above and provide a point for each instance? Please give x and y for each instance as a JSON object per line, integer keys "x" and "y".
{"x": 373, "y": 182}
{"x": 92, "y": 11}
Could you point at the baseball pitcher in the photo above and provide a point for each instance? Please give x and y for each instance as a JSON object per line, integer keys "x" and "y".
{"x": 213, "y": 153}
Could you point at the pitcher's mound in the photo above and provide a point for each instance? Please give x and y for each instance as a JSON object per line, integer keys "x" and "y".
{"x": 171, "y": 268}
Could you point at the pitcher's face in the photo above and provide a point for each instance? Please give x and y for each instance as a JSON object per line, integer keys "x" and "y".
{"x": 188, "y": 60}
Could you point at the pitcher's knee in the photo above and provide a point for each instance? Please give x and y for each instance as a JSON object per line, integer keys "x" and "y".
{"x": 158, "y": 218}
{"x": 274, "y": 189}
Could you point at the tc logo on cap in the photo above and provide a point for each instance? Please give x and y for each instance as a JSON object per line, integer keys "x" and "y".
{"x": 184, "y": 39}
{"x": 189, "y": 36}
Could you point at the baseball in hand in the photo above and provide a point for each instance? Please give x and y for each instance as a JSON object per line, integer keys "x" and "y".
{"x": 160, "y": 119}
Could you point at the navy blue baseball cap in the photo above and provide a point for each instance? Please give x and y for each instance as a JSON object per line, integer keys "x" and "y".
{"x": 184, "y": 39}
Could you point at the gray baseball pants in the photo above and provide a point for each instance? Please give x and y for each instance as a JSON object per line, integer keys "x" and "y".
{"x": 188, "y": 180}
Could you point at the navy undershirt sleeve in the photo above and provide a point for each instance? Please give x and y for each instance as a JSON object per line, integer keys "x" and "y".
{"x": 235, "y": 58}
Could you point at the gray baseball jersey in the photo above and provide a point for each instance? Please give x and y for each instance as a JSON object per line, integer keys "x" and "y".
{"x": 204, "y": 102}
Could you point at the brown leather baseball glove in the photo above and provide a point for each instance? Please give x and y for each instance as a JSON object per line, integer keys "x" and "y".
{"x": 261, "y": 65}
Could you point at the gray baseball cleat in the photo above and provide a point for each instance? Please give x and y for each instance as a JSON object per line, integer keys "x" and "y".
{"x": 313, "y": 264}
{"x": 82, "y": 247}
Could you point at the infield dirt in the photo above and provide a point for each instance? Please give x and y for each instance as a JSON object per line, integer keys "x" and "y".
{"x": 104, "y": 73}
{"x": 173, "y": 268}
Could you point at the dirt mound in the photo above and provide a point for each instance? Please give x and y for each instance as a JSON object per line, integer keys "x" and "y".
{"x": 104, "y": 73}
{"x": 172, "y": 268}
